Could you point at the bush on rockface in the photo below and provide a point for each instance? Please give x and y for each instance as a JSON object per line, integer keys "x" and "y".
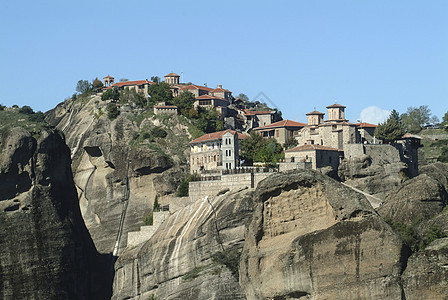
{"x": 112, "y": 111}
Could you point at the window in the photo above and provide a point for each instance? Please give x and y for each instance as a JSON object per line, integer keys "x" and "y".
{"x": 230, "y": 152}
{"x": 329, "y": 159}
{"x": 277, "y": 133}
{"x": 292, "y": 159}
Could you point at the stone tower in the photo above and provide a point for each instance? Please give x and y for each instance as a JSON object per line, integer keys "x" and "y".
{"x": 172, "y": 79}
{"x": 108, "y": 81}
{"x": 336, "y": 113}
{"x": 315, "y": 118}
{"x": 229, "y": 152}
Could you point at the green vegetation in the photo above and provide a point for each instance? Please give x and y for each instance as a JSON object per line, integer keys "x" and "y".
{"x": 192, "y": 274}
{"x": 96, "y": 83}
{"x": 23, "y": 117}
{"x": 156, "y": 206}
{"x": 158, "y": 132}
{"x": 184, "y": 102}
{"x": 390, "y": 130}
{"x": 112, "y": 111}
{"x": 409, "y": 234}
{"x": 182, "y": 189}
{"x": 83, "y": 86}
{"x": 159, "y": 92}
{"x": 132, "y": 96}
{"x": 229, "y": 258}
{"x": 149, "y": 219}
{"x": 415, "y": 118}
{"x": 258, "y": 149}
{"x": 112, "y": 93}
{"x": 445, "y": 119}
{"x": 290, "y": 144}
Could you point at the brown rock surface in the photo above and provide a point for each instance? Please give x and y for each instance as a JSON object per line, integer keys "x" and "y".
{"x": 311, "y": 236}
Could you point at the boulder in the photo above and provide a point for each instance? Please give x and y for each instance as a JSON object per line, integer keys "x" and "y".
{"x": 311, "y": 236}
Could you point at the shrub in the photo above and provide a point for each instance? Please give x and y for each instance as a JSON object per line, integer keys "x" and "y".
{"x": 37, "y": 117}
{"x": 182, "y": 189}
{"x": 148, "y": 219}
{"x": 112, "y": 111}
{"x": 113, "y": 94}
{"x": 156, "y": 206}
{"x": 2, "y": 107}
{"x": 229, "y": 258}
{"x": 27, "y": 110}
{"x": 158, "y": 132}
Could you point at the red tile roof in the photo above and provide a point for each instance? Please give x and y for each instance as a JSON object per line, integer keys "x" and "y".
{"x": 311, "y": 147}
{"x": 363, "y": 124}
{"x": 108, "y": 76}
{"x": 210, "y": 97}
{"x": 283, "y": 123}
{"x": 135, "y": 82}
{"x": 256, "y": 112}
{"x": 217, "y": 135}
{"x": 172, "y": 75}
{"x": 407, "y": 135}
{"x": 220, "y": 90}
{"x": 336, "y": 105}
{"x": 315, "y": 112}
{"x": 196, "y": 87}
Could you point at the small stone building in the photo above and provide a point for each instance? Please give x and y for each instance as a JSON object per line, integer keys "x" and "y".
{"x": 215, "y": 151}
{"x": 319, "y": 156}
{"x": 258, "y": 118}
{"x": 165, "y": 109}
{"x": 366, "y": 132}
{"x": 282, "y": 131}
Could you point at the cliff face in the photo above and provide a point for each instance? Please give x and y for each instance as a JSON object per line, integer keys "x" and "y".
{"x": 312, "y": 237}
{"x": 193, "y": 255}
{"x": 45, "y": 249}
{"x": 117, "y": 171}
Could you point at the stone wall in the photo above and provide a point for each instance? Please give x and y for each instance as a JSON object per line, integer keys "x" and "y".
{"x": 200, "y": 189}
{"x": 146, "y": 232}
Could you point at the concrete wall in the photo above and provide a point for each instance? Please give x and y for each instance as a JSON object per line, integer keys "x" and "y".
{"x": 200, "y": 189}
{"x": 146, "y": 232}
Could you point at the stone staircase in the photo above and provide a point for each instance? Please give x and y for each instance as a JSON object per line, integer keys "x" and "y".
{"x": 146, "y": 232}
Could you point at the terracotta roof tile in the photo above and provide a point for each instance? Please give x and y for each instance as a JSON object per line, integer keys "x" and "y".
{"x": 315, "y": 112}
{"x": 363, "y": 124}
{"x": 257, "y": 112}
{"x": 407, "y": 135}
{"x": 336, "y": 105}
{"x": 221, "y": 90}
{"x": 196, "y": 87}
{"x": 217, "y": 135}
{"x": 135, "y": 82}
{"x": 210, "y": 97}
{"x": 311, "y": 147}
{"x": 108, "y": 76}
{"x": 172, "y": 75}
{"x": 283, "y": 123}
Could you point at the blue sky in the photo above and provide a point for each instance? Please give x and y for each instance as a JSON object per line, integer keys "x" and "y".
{"x": 301, "y": 54}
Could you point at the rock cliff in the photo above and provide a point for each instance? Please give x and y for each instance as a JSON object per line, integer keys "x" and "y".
{"x": 312, "y": 237}
{"x": 45, "y": 249}
{"x": 119, "y": 167}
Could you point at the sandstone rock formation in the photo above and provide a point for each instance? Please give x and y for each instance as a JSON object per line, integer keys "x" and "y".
{"x": 177, "y": 262}
{"x": 118, "y": 179}
{"x": 312, "y": 237}
{"x": 377, "y": 172}
{"x": 45, "y": 249}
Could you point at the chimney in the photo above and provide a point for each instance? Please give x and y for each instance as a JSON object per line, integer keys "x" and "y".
{"x": 219, "y": 86}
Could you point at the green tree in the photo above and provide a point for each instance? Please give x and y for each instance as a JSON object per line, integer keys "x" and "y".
{"x": 37, "y": 117}
{"x": 155, "y": 79}
{"x": 132, "y": 96}
{"x": 112, "y": 111}
{"x": 160, "y": 92}
{"x": 415, "y": 118}
{"x": 83, "y": 86}
{"x": 445, "y": 119}
{"x": 27, "y": 110}
{"x": 112, "y": 93}
{"x": 395, "y": 115}
{"x": 390, "y": 130}
{"x": 255, "y": 148}
{"x": 209, "y": 120}
{"x": 243, "y": 97}
{"x": 2, "y": 107}
{"x": 184, "y": 102}
{"x": 96, "y": 83}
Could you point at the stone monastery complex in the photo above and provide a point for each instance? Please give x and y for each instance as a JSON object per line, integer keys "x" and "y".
{"x": 320, "y": 142}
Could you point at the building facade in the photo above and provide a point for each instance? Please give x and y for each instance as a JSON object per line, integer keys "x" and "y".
{"x": 215, "y": 151}
{"x": 282, "y": 131}
{"x": 319, "y": 156}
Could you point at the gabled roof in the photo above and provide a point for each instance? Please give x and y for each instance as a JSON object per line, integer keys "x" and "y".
{"x": 108, "y": 76}
{"x": 135, "y": 82}
{"x": 172, "y": 75}
{"x": 210, "y": 97}
{"x": 283, "y": 123}
{"x": 314, "y": 112}
{"x": 368, "y": 125}
{"x": 196, "y": 87}
{"x": 311, "y": 147}
{"x": 257, "y": 112}
{"x": 220, "y": 90}
{"x": 217, "y": 136}
{"x": 336, "y": 105}
{"x": 407, "y": 135}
